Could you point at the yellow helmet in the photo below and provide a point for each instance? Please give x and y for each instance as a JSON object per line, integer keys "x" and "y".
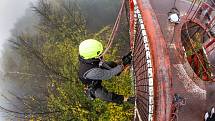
{"x": 90, "y": 48}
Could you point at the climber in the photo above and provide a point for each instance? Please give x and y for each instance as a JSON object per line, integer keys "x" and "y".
{"x": 93, "y": 70}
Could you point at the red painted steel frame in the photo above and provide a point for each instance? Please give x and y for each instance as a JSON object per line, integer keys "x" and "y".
{"x": 131, "y": 22}
{"x": 161, "y": 63}
{"x": 210, "y": 43}
{"x": 210, "y": 9}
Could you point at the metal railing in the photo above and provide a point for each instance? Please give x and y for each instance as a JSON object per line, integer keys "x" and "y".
{"x": 143, "y": 72}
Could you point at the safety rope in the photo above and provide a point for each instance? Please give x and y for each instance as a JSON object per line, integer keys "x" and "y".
{"x": 114, "y": 31}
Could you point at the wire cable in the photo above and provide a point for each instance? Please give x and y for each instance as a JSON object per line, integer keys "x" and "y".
{"x": 115, "y": 28}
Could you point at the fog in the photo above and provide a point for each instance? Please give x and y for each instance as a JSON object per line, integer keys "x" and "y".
{"x": 10, "y": 12}
{"x": 16, "y": 17}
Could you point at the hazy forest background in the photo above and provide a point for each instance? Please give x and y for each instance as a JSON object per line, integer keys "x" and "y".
{"x": 41, "y": 56}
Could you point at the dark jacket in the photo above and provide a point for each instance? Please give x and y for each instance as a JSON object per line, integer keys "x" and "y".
{"x": 90, "y": 71}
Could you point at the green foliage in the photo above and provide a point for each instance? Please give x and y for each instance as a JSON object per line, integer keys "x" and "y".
{"x": 195, "y": 45}
{"x": 196, "y": 56}
{"x": 69, "y": 97}
{"x": 64, "y": 56}
{"x": 120, "y": 84}
{"x": 60, "y": 31}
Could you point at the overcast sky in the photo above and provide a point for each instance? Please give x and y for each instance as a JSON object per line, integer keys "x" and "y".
{"x": 10, "y": 12}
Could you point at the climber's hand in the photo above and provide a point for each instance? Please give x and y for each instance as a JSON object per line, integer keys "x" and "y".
{"x": 210, "y": 116}
{"x": 126, "y": 60}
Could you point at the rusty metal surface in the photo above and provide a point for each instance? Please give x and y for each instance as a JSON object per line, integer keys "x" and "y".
{"x": 172, "y": 72}
{"x": 200, "y": 95}
{"x": 162, "y": 8}
{"x": 160, "y": 62}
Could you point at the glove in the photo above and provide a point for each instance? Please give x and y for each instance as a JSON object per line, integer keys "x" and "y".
{"x": 126, "y": 60}
{"x": 210, "y": 116}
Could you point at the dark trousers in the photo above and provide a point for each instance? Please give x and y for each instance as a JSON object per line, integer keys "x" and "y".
{"x": 102, "y": 93}
{"x": 96, "y": 90}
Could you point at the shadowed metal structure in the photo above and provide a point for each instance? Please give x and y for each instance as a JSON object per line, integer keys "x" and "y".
{"x": 173, "y": 63}
{"x": 151, "y": 62}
